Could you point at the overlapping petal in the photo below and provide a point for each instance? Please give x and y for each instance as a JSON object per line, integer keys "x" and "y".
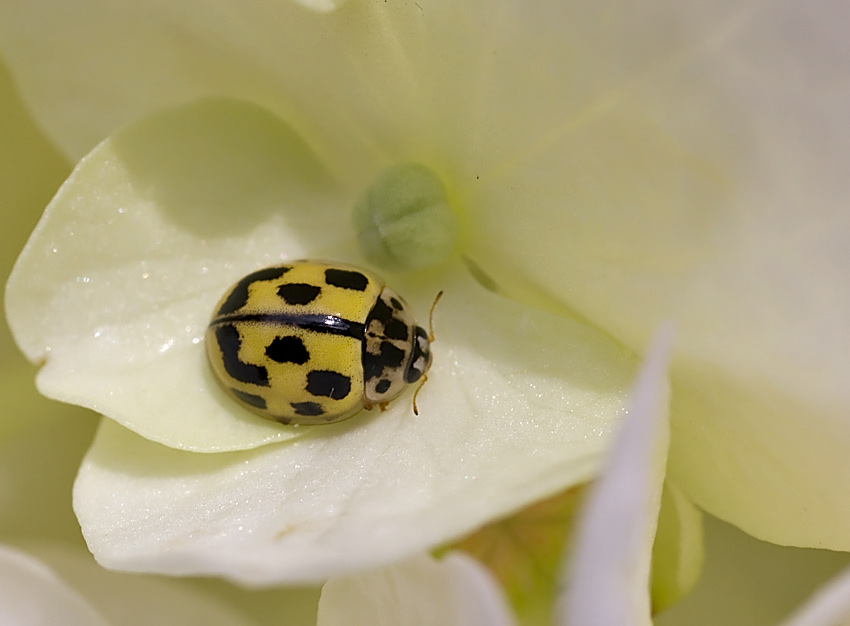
{"x": 748, "y": 582}
{"x": 518, "y": 405}
{"x": 608, "y": 566}
{"x": 711, "y": 189}
{"x": 60, "y": 584}
{"x": 831, "y": 605}
{"x": 420, "y": 591}
{"x": 625, "y": 161}
{"x": 116, "y": 286}
{"x": 41, "y": 445}
{"x": 678, "y": 549}
{"x": 32, "y": 594}
{"x": 607, "y": 573}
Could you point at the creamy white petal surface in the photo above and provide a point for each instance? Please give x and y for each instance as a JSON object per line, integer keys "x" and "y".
{"x": 518, "y": 405}
{"x": 130, "y": 600}
{"x": 748, "y": 582}
{"x": 678, "y": 549}
{"x": 32, "y": 595}
{"x": 633, "y": 162}
{"x": 714, "y": 189}
{"x": 114, "y": 291}
{"x": 118, "y": 282}
{"x": 608, "y": 568}
{"x": 420, "y": 591}
{"x": 830, "y": 606}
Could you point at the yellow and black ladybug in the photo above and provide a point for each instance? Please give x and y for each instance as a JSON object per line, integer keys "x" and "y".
{"x": 309, "y": 342}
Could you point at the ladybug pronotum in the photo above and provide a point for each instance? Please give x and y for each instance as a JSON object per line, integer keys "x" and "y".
{"x": 309, "y": 342}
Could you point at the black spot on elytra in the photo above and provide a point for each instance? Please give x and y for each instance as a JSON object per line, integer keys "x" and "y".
{"x": 395, "y": 329}
{"x": 383, "y": 385}
{"x": 389, "y": 357}
{"x": 229, "y": 341}
{"x": 328, "y": 384}
{"x": 310, "y": 409}
{"x": 298, "y": 293}
{"x": 249, "y": 398}
{"x": 288, "y": 350}
{"x": 346, "y": 279}
{"x": 380, "y": 312}
{"x": 238, "y": 296}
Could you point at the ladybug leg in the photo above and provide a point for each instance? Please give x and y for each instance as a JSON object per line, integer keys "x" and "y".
{"x": 381, "y": 405}
{"x": 416, "y": 393}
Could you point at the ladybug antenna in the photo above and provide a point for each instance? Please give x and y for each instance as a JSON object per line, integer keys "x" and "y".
{"x": 431, "y": 316}
{"x": 430, "y": 340}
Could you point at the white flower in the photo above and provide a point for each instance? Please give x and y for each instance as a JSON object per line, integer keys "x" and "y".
{"x": 626, "y": 163}
{"x": 607, "y": 571}
{"x": 132, "y": 270}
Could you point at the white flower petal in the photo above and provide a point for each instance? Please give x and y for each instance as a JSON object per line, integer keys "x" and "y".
{"x": 744, "y": 451}
{"x": 368, "y": 83}
{"x": 518, "y": 405}
{"x": 829, "y": 607}
{"x": 421, "y": 591}
{"x": 118, "y": 282}
{"x": 678, "y": 551}
{"x": 710, "y": 185}
{"x": 131, "y": 600}
{"x": 356, "y": 81}
{"x": 32, "y": 595}
{"x": 748, "y": 582}
{"x": 608, "y": 572}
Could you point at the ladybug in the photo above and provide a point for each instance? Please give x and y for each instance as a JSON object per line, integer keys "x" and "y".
{"x": 310, "y": 342}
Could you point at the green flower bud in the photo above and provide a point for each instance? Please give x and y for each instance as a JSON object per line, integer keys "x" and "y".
{"x": 404, "y": 221}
